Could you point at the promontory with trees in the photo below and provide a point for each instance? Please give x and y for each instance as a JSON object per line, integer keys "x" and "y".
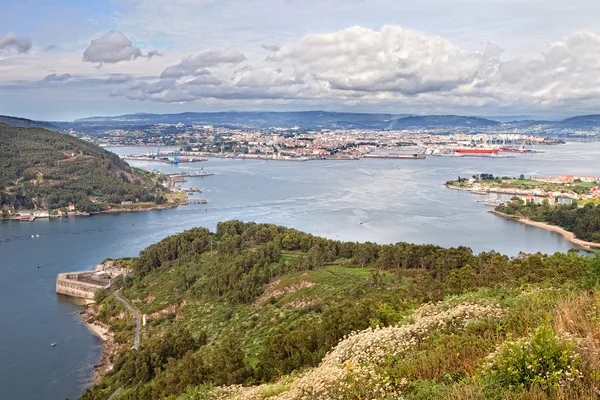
{"x": 569, "y": 202}
{"x": 50, "y": 171}
{"x": 257, "y": 311}
{"x": 583, "y": 221}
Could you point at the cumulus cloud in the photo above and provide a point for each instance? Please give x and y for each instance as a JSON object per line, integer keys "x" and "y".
{"x": 111, "y": 48}
{"x": 392, "y": 59}
{"x": 391, "y": 66}
{"x": 197, "y": 64}
{"x": 568, "y": 70}
{"x": 57, "y": 78}
{"x": 12, "y": 42}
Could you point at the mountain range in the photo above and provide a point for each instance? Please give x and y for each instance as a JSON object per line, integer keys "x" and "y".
{"x": 313, "y": 120}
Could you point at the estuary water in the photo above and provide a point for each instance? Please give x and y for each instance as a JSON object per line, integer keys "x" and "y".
{"x": 378, "y": 200}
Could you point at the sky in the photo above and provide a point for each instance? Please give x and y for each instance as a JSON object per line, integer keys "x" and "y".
{"x": 62, "y": 60}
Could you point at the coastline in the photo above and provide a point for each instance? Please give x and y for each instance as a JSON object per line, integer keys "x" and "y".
{"x": 167, "y": 206}
{"x": 105, "y": 365}
{"x": 570, "y": 236}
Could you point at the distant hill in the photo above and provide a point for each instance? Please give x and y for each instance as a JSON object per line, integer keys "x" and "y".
{"x": 582, "y": 121}
{"x": 435, "y": 121}
{"x": 26, "y": 123}
{"x": 42, "y": 169}
{"x": 302, "y": 119}
{"x": 332, "y": 120}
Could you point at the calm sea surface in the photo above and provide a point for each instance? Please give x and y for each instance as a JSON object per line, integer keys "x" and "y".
{"x": 395, "y": 200}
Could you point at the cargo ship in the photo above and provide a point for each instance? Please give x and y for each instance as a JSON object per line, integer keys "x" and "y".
{"x": 476, "y": 151}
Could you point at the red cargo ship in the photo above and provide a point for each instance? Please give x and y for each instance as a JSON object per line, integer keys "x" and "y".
{"x": 476, "y": 151}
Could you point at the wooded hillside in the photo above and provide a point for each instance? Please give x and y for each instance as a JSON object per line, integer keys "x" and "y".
{"x": 289, "y": 315}
{"x": 42, "y": 169}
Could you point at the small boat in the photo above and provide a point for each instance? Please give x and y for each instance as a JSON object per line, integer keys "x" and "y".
{"x": 37, "y": 236}
{"x": 32, "y": 236}
{"x": 203, "y": 201}
{"x": 52, "y": 344}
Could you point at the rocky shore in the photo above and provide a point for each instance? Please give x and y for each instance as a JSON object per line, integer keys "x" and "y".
{"x": 111, "y": 348}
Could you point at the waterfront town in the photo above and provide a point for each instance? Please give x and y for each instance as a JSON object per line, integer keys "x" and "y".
{"x": 196, "y": 142}
{"x": 562, "y": 190}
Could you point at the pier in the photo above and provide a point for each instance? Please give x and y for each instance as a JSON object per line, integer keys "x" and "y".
{"x": 193, "y": 189}
{"x": 398, "y": 156}
{"x": 197, "y": 201}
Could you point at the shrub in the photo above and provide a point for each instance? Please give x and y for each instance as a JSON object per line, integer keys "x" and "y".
{"x": 544, "y": 360}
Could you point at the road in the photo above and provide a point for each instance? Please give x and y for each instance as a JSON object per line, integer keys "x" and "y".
{"x": 115, "y": 393}
{"x": 136, "y": 338}
{"x": 136, "y": 315}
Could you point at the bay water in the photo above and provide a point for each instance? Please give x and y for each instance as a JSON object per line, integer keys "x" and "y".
{"x": 379, "y": 200}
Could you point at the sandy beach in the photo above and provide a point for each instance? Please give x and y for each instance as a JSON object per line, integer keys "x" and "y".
{"x": 570, "y": 236}
{"x": 99, "y": 330}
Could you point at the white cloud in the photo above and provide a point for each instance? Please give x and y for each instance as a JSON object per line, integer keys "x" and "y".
{"x": 392, "y": 59}
{"x": 112, "y": 47}
{"x": 57, "y": 78}
{"x": 196, "y": 65}
{"x": 567, "y": 71}
{"x": 12, "y": 42}
{"x": 391, "y": 67}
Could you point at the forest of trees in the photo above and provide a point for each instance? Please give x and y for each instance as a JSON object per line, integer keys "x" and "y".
{"x": 232, "y": 266}
{"x": 47, "y": 170}
{"x": 584, "y": 221}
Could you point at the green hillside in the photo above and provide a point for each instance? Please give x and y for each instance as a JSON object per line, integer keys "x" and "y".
{"x": 265, "y": 312}
{"x": 42, "y": 169}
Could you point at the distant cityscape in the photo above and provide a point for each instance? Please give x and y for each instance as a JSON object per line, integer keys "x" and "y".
{"x": 299, "y": 144}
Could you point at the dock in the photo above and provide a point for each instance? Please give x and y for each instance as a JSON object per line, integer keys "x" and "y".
{"x": 197, "y": 201}
{"x": 202, "y": 172}
{"x": 401, "y": 156}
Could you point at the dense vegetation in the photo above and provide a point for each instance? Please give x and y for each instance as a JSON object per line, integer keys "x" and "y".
{"x": 41, "y": 169}
{"x": 584, "y": 221}
{"x": 289, "y": 315}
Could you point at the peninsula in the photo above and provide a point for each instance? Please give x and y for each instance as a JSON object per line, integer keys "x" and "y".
{"x": 258, "y": 311}
{"x": 568, "y": 205}
{"x": 45, "y": 174}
